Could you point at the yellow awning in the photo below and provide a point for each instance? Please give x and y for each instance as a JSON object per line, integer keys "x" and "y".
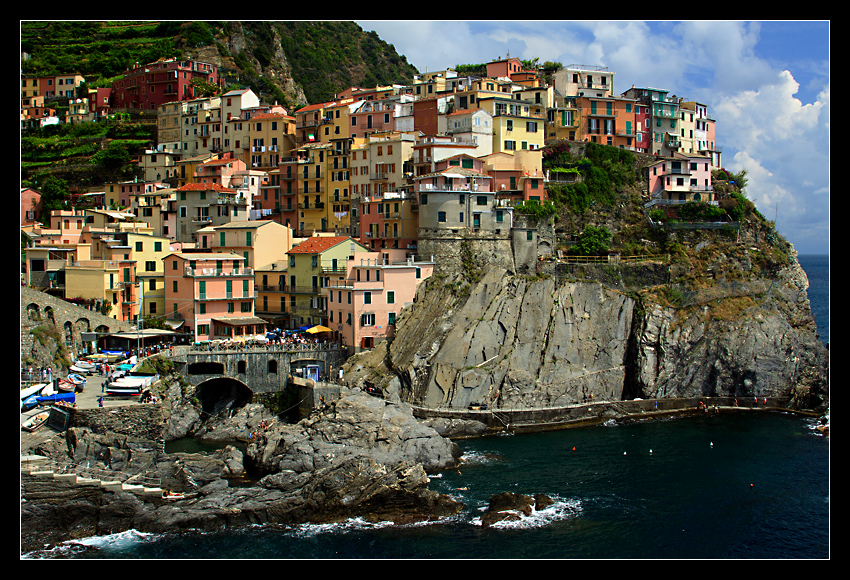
{"x": 319, "y": 328}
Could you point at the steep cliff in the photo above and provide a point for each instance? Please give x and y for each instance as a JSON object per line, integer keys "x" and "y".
{"x": 614, "y": 332}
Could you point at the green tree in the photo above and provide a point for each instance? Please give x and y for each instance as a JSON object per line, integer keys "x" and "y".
{"x": 593, "y": 241}
{"x": 54, "y": 193}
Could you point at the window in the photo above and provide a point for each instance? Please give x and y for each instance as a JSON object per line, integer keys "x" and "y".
{"x": 390, "y": 297}
{"x": 367, "y": 298}
{"x": 367, "y": 319}
{"x": 441, "y": 216}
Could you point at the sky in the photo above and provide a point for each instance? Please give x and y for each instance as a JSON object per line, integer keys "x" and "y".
{"x": 766, "y": 84}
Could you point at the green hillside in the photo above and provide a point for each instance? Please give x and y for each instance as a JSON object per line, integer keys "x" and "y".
{"x": 324, "y": 57}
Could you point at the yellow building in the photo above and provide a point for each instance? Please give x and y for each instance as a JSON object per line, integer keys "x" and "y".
{"x": 271, "y": 138}
{"x": 258, "y": 241}
{"x": 516, "y": 124}
{"x": 315, "y": 210}
{"x": 271, "y": 301}
{"x": 128, "y": 274}
{"x": 313, "y": 265}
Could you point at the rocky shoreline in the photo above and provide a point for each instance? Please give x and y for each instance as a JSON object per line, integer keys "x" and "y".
{"x": 360, "y": 456}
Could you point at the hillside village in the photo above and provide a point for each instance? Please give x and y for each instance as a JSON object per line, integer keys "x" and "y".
{"x": 247, "y": 217}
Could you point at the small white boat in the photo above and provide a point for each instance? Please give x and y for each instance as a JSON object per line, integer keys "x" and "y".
{"x": 86, "y": 365}
{"x": 32, "y": 390}
{"x": 36, "y": 421}
{"x": 77, "y": 379}
{"x": 125, "y": 390}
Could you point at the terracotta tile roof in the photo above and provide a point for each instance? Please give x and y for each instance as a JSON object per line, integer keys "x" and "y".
{"x": 264, "y": 116}
{"x": 204, "y": 187}
{"x": 318, "y": 244}
{"x": 315, "y": 107}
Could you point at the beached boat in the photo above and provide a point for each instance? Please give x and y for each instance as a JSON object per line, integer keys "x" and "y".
{"x": 65, "y": 386}
{"x": 29, "y": 402}
{"x": 125, "y": 390}
{"x": 36, "y": 421}
{"x": 60, "y": 397}
{"x": 82, "y": 370}
{"x": 78, "y": 380}
{"x": 31, "y": 390}
{"x": 86, "y": 366}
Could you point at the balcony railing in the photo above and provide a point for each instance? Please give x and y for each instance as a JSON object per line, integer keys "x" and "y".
{"x": 206, "y": 272}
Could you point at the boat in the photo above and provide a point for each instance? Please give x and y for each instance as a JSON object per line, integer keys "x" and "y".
{"x": 75, "y": 368}
{"x": 78, "y": 380}
{"x": 29, "y": 402}
{"x": 119, "y": 389}
{"x": 59, "y": 397}
{"x": 65, "y": 386}
{"x": 36, "y": 421}
{"x": 31, "y": 390}
{"x": 85, "y": 366}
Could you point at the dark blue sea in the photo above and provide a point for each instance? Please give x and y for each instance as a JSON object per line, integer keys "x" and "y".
{"x": 728, "y": 486}
{"x": 817, "y": 270}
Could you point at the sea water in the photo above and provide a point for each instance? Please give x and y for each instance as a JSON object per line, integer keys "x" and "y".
{"x": 741, "y": 485}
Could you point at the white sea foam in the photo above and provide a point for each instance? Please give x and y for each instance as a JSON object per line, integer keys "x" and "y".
{"x": 354, "y": 524}
{"x": 561, "y": 509}
{"x": 118, "y": 541}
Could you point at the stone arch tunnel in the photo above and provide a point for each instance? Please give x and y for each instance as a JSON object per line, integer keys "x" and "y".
{"x": 222, "y": 394}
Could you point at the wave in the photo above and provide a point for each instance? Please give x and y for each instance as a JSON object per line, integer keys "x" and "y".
{"x": 562, "y": 509}
{"x": 118, "y": 542}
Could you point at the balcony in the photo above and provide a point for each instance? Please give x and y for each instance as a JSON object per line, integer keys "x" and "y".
{"x": 214, "y": 272}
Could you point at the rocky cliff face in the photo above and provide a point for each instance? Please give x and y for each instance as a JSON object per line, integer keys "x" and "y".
{"x": 516, "y": 342}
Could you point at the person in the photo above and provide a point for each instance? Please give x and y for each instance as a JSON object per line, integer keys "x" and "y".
{"x": 100, "y": 401}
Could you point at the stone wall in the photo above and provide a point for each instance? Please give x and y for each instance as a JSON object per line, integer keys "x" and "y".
{"x": 143, "y": 421}
{"x": 67, "y": 321}
{"x": 507, "y": 248}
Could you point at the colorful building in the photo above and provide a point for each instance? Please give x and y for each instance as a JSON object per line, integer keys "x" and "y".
{"x": 313, "y": 264}
{"x": 149, "y": 86}
{"x": 608, "y": 121}
{"x": 363, "y": 306}
{"x": 680, "y": 179}
{"x": 211, "y": 297}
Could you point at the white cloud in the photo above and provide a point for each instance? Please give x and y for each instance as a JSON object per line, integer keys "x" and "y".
{"x": 783, "y": 144}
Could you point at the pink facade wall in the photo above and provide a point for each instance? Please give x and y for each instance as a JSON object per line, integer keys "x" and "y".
{"x": 402, "y": 281}
{"x": 187, "y": 292}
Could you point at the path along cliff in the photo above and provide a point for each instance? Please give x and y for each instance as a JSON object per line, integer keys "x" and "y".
{"x": 718, "y": 322}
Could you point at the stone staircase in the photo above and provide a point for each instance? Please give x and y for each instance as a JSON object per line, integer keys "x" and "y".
{"x": 38, "y": 466}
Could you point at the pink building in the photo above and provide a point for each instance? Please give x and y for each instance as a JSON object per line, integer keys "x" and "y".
{"x": 31, "y": 206}
{"x": 220, "y": 171}
{"x": 363, "y": 308}
{"x": 681, "y": 178}
{"x": 211, "y": 297}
